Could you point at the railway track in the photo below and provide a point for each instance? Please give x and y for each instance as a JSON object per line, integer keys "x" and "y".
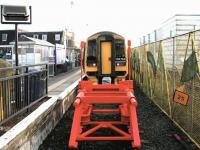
{"x": 156, "y": 130}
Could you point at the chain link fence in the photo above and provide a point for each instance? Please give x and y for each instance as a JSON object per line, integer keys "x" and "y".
{"x": 162, "y": 67}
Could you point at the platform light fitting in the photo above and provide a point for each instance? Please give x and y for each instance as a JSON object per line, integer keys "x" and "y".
{"x": 11, "y": 14}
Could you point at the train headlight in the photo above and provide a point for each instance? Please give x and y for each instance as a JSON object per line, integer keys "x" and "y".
{"x": 120, "y": 63}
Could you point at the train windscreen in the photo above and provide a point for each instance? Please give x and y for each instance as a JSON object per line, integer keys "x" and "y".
{"x": 91, "y": 57}
{"x": 119, "y": 49}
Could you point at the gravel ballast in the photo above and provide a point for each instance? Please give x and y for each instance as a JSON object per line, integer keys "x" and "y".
{"x": 156, "y": 131}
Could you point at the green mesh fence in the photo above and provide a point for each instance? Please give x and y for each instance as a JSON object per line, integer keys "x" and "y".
{"x": 172, "y": 64}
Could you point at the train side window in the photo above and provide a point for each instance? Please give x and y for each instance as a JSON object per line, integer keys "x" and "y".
{"x": 91, "y": 56}
{"x": 119, "y": 49}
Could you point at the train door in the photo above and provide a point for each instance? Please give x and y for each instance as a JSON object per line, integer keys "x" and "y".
{"x": 106, "y": 57}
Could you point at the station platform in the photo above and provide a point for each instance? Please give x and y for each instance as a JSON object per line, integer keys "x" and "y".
{"x": 58, "y": 84}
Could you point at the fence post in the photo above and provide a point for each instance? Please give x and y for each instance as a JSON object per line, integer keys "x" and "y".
{"x": 47, "y": 76}
{"x": 161, "y": 75}
{"x": 193, "y": 84}
{"x": 174, "y": 75}
{"x": 27, "y": 99}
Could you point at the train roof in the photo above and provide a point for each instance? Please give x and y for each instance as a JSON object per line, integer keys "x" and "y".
{"x": 94, "y": 36}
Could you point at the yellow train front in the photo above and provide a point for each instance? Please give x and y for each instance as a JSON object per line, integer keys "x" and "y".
{"x": 105, "y": 58}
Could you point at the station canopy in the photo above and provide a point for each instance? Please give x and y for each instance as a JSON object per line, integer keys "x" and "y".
{"x": 28, "y": 40}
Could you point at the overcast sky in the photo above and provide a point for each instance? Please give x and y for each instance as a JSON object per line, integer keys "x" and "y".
{"x": 130, "y": 18}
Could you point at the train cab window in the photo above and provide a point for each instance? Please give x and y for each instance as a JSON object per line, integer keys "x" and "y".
{"x": 120, "y": 59}
{"x": 91, "y": 57}
{"x": 119, "y": 48}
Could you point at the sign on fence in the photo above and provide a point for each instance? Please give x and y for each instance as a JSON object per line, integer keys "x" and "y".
{"x": 181, "y": 98}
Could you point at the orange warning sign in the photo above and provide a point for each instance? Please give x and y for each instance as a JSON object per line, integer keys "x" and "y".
{"x": 181, "y": 98}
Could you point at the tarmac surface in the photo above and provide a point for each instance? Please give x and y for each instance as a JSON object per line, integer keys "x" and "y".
{"x": 58, "y": 84}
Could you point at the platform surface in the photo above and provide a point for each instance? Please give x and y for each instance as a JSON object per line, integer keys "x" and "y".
{"x": 59, "y": 83}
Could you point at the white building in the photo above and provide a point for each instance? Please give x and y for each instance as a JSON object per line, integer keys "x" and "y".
{"x": 176, "y": 25}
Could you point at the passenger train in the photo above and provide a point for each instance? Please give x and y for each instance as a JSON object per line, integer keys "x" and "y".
{"x": 105, "y": 56}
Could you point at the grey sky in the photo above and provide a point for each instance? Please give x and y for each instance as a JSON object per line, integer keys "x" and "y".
{"x": 130, "y": 18}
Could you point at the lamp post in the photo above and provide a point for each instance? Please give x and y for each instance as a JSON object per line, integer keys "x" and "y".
{"x": 16, "y": 45}
{"x": 11, "y": 14}
{"x": 15, "y": 15}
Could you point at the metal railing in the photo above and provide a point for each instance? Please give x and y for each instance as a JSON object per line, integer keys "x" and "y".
{"x": 160, "y": 81}
{"x": 20, "y": 88}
